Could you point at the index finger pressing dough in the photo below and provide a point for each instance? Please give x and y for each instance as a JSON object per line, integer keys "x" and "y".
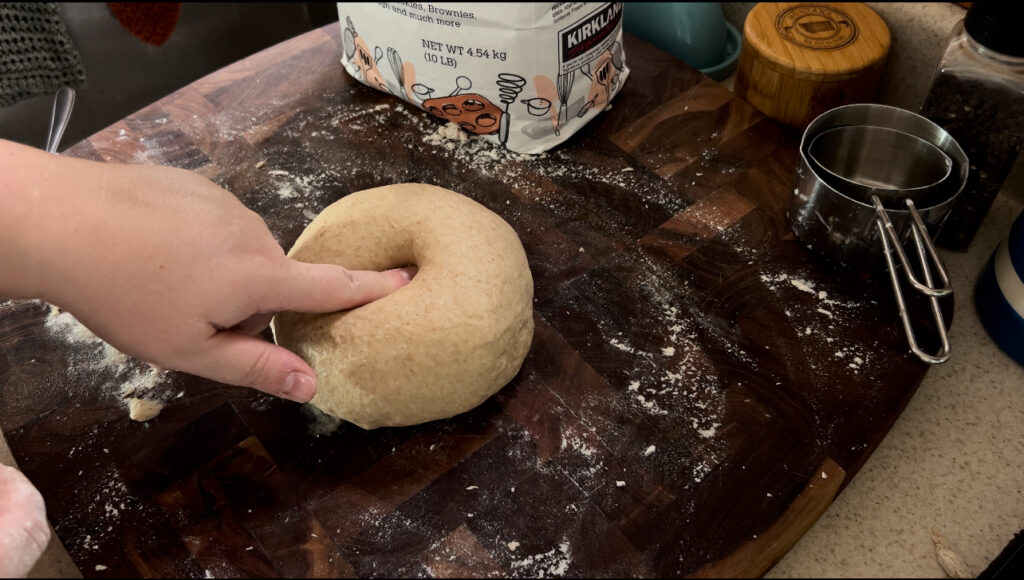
{"x": 455, "y": 335}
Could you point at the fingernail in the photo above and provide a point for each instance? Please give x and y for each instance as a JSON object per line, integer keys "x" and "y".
{"x": 298, "y": 387}
{"x": 408, "y": 272}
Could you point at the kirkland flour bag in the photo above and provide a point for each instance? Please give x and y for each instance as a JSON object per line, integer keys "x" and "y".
{"x": 525, "y": 75}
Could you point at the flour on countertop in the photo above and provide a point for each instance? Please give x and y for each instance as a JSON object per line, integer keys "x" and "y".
{"x": 822, "y": 324}
{"x": 131, "y": 380}
{"x": 553, "y": 563}
{"x": 475, "y": 152}
{"x": 449, "y": 132}
{"x": 296, "y": 187}
{"x": 63, "y": 323}
{"x": 106, "y": 497}
{"x": 578, "y": 445}
{"x": 670, "y": 379}
{"x": 683, "y": 381}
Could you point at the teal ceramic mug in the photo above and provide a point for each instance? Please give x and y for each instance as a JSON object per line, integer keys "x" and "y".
{"x": 694, "y": 32}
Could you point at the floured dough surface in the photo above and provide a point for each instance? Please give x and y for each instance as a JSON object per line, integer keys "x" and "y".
{"x": 441, "y": 345}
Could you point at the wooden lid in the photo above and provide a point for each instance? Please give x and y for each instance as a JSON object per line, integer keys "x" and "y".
{"x": 823, "y": 41}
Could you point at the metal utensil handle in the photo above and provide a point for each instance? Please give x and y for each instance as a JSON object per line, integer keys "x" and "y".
{"x": 62, "y": 105}
{"x": 918, "y": 226}
{"x": 922, "y": 243}
{"x": 921, "y": 240}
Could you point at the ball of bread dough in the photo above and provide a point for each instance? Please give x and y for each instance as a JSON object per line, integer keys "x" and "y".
{"x": 441, "y": 345}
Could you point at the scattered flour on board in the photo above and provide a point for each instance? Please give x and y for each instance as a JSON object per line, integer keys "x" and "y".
{"x": 105, "y": 498}
{"x": 477, "y": 153}
{"x": 449, "y": 132}
{"x": 296, "y": 187}
{"x": 671, "y": 379}
{"x": 675, "y": 376}
{"x": 668, "y": 379}
{"x": 823, "y": 323}
{"x": 553, "y": 563}
{"x": 129, "y": 379}
{"x": 588, "y": 454}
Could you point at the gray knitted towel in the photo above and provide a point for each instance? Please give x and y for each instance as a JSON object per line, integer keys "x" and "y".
{"x": 37, "y": 56}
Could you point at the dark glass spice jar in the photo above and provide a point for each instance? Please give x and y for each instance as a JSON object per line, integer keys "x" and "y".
{"x": 977, "y": 95}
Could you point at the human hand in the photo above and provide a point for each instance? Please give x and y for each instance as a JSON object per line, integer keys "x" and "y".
{"x": 173, "y": 270}
{"x": 24, "y": 532}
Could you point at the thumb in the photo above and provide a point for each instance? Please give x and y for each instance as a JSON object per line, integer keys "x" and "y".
{"x": 316, "y": 288}
{"x": 246, "y": 361}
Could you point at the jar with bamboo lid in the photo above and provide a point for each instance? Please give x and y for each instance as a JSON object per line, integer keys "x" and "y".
{"x": 799, "y": 60}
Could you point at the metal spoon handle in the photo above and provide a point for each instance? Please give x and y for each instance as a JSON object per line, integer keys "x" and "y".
{"x": 891, "y": 242}
{"x": 62, "y": 105}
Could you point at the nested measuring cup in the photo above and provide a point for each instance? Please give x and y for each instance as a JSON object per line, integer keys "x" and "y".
{"x": 871, "y": 179}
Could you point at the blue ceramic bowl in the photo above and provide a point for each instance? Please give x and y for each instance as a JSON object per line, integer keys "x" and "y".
{"x": 999, "y": 295}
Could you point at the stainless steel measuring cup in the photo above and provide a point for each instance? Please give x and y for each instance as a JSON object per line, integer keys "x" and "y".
{"x": 860, "y": 222}
{"x": 866, "y": 160}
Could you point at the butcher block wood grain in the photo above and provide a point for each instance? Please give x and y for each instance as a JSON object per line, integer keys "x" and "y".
{"x": 699, "y": 387}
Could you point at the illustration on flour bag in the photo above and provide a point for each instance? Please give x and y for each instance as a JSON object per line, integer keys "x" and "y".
{"x": 525, "y": 75}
